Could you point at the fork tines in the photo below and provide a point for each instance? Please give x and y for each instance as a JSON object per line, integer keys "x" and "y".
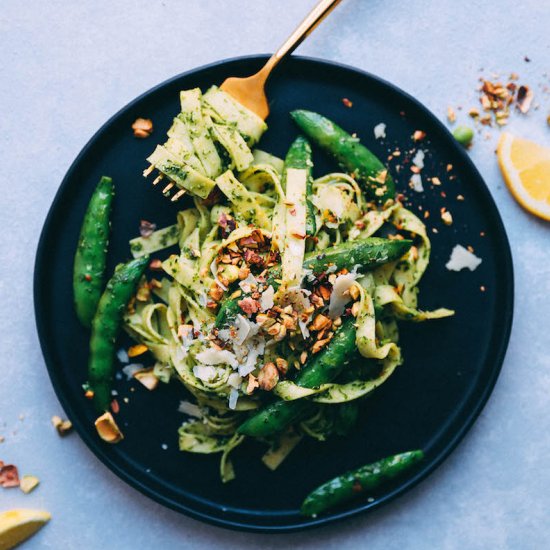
{"x": 166, "y": 191}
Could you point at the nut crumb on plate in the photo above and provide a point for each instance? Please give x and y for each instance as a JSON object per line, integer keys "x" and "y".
{"x": 142, "y": 127}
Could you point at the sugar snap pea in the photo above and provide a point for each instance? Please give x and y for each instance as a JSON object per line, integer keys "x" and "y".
{"x": 299, "y": 158}
{"x": 350, "y": 154}
{"x": 363, "y": 255}
{"x": 352, "y": 484}
{"x": 105, "y": 327}
{"x": 91, "y": 253}
{"x": 320, "y": 369}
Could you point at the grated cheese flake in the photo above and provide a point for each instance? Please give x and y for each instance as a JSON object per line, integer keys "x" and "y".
{"x": 267, "y": 298}
{"x": 191, "y": 409}
{"x": 122, "y": 356}
{"x": 206, "y": 373}
{"x": 416, "y": 183}
{"x": 380, "y": 131}
{"x": 233, "y": 397}
{"x": 340, "y": 294}
{"x": 131, "y": 369}
{"x": 461, "y": 258}
{"x": 418, "y": 159}
{"x": 212, "y": 356}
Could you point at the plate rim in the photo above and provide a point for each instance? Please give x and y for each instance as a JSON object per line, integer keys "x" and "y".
{"x": 308, "y": 523}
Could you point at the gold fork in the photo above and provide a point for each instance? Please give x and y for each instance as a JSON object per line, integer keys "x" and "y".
{"x": 250, "y": 91}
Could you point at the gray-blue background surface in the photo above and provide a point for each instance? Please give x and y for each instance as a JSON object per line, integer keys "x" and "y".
{"x": 67, "y": 66}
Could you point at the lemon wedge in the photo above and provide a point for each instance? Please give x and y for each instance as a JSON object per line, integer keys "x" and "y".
{"x": 18, "y": 525}
{"x": 525, "y": 166}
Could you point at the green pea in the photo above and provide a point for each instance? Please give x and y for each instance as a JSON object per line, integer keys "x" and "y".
{"x": 464, "y": 135}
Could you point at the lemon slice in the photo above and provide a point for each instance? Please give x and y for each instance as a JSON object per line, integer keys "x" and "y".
{"x": 18, "y": 525}
{"x": 525, "y": 166}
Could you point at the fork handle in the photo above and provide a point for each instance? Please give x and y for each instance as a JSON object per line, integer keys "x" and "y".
{"x": 304, "y": 29}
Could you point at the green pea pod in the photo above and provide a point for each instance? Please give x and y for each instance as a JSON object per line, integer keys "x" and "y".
{"x": 352, "y": 484}
{"x": 91, "y": 253}
{"x": 275, "y": 417}
{"x": 299, "y": 158}
{"x": 361, "y": 255}
{"x": 321, "y": 368}
{"x": 105, "y": 326}
{"x": 350, "y": 154}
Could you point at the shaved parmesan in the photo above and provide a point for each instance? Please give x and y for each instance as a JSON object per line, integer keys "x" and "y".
{"x": 212, "y": 356}
{"x": 266, "y": 300}
{"x": 256, "y": 347}
{"x": 248, "y": 284}
{"x": 206, "y": 373}
{"x": 380, "y": 131}
{"x": 233, "y": 397}
{"x": 340, "y": 295}
{"x": 234, "y": 380}
{"x": 187, "y": 340}
{"x": 244, "y": 329}
{"x": 418, "y": 159}
{"x": 131, "y": 369}
{"x": 329, "y": 197}
{"x": 416, "y": 183}
{"x": 308, "y": 275}
{"x": 186, "y": 407}
{"x": 246, "y": 369}
{"x": 461, "y": 258}
{"x": 303, "y": 329}
{"x": 224, "y": 334}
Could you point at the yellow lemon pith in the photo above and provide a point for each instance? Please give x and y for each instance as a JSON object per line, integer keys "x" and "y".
{"x": 18, "y": 525}
{"x": 525, "y": 166}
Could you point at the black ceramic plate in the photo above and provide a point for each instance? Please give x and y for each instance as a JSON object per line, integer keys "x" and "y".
{"x": 430, "y": 402}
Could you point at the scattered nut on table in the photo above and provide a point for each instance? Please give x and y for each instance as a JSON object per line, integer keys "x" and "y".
{"x": 63, "y": 427}
{"x": 28, "y": 483}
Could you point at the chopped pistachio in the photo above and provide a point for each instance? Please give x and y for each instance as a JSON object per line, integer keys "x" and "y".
{"x": 28, "y": 483}
{"x": 136, "y": 350}
{"x": 63, "y": 427}
{"x": 107, "y": 428}
{"x": 147, "y": 378}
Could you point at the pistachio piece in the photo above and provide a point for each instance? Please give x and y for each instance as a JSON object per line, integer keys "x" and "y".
{"x": 107, "y": 428}
{"x": 63, "y": 427}
{"x": 268, "y": 377}
{"x": 136, "y": 350}
{"x": 28, "y": 483}
{"x": 142, "y": 127}
{"x": 147, "y": 378}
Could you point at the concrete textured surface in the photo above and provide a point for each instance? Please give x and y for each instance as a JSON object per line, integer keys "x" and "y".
{"x": 67, "y": 66}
